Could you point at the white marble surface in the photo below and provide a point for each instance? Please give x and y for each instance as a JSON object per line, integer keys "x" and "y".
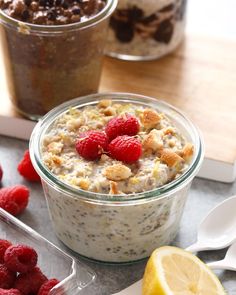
{"x": 204, "y": 195}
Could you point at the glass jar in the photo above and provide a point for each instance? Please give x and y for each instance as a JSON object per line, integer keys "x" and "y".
{"x": 115, "y": 228}
{"x": 146, "y": 29}
{"x": 49, "y": 64}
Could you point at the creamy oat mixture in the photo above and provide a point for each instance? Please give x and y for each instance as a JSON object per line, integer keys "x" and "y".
{"x": 165, "y": 152}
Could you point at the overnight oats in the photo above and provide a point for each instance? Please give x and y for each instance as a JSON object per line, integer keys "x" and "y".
{"x": 146, "y": 29}
{"x": 116, "y": 170}
{"x": 52, "y": 50}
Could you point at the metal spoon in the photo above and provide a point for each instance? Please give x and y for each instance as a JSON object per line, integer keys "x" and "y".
{"x": 218, "y": 229}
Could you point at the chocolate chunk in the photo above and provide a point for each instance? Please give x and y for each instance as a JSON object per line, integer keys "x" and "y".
{"x": 25, "y": 15}
{"x": 135, "y": 14}
{"x": 27, "y": 2}
{"x": 164, "y": 32}
{"x": 64, "y": 4}
{"x": 50, "y": 3}
{"x": 125, "y": 32}
{"x": 58, "y": 2}
{"x": 76, "y": 10}
{"x": 42, "y": 2}
{"x": 168, "y": 8}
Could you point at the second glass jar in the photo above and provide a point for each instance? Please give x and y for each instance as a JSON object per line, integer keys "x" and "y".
{"x": 146, "y": 29}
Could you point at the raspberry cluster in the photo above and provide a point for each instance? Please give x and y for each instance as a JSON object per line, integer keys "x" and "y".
{"x": 117, "y": 140}
{"x": 19, "y": 273}
{"x": 15, "y": 199}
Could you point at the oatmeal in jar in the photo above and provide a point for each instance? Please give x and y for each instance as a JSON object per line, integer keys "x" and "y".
{"x": 116, "y": 170}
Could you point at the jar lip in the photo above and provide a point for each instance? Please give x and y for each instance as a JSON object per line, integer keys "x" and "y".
{"x": 165, "y": 190}
{"x": 44, "y": 29}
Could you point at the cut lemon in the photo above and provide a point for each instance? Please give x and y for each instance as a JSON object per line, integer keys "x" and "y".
{"x": 173, "y": 271}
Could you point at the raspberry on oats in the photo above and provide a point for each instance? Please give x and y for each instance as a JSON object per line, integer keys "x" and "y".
{"x": 26, "y": 169}
{"x": 47, "y": 286}
{"x": 7, "y": 277}
{"x": 4, "y": 244}
{"x": 20, "y": 258}
{"x": 92, "y": 144}
{"x": 30, "y": 282}
{"x": 14, "y": 199}
{"x": 117, "y": 126}
{"x": 125, "y": 148}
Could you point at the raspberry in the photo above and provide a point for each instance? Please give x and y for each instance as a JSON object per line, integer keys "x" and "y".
{"x": 26, "y": 169}
{"x": 30, "y": 282}
{"x": 92, "y": 144}
{"x": 4, "y": 244}
{"x": 9, "y": 292}
{"x": 47, "y": 286}
{"x": 117, "y": 126}
{"x": 7, "y": 277}
{"x": 1, "y": 172}
{"x": 14, "y": 199}
{"x": 125, "y": 148}
{"x": 20, "y": 258}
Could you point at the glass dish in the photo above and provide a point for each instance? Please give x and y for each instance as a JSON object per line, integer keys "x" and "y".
{"x": 49, "y": 64}
{"x": 116, "y": 229}
{"x": 146, "y": 29}
{"x": 74, "y": 277}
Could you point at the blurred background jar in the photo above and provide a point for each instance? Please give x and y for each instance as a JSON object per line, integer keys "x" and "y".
{"x": 146, "y": 29}
{"x": 52, "y": 50}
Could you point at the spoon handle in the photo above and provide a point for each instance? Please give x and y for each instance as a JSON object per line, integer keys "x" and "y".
{"x": 221, "y": 264}
{"x": 196, "y": 247}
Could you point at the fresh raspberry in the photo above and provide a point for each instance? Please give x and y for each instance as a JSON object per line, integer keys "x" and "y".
{"x": 117, "y": 126}
{"x": 4, "y": 244}
{"x": 26, "y": 169}
{"x": 1, "y": 172}
{"x": 125, "y": 148}
{"x": 20, "y": 258}
{"x": 30, "y": 282}
{"x": 47, "y": 286}
{"x": 92, "y": 144}
{"x": 7, "y": 277}
{"x": 10, "y": 292}
{"x": 14, "y": 199}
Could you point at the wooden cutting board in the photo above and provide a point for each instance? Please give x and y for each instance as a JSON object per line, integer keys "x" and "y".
{"x": 199, "y": 78}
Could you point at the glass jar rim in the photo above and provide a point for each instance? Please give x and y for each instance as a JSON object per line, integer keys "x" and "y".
{"x": 57, "y": 29}
{"x": 159, "y": 192}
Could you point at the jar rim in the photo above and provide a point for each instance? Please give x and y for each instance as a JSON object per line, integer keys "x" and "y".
{"x": 159, "y": 192}
{"x": 29, "y": 28}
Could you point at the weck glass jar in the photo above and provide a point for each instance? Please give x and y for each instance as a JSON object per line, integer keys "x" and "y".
{"x": 146, "y": 29}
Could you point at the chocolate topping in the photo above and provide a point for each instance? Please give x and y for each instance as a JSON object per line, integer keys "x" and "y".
{"x": 52, "y": 12}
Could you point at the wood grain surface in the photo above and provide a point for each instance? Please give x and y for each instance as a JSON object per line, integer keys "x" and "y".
{"x": 199, "y": 78}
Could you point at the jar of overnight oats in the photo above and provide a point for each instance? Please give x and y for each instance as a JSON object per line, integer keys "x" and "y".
{"x": 146, "y": 29}
{"x": 52, "y": 50}
{"x": 116, "y": 207}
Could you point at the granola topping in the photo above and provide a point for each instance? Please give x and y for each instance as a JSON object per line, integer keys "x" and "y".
{"x": 165, "y": 152}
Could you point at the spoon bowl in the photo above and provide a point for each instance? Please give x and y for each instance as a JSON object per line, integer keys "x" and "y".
{"x": 218, "y": 228}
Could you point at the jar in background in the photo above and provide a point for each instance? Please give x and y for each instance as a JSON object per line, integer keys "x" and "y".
{"x": 49, "y": 64}
{"x": 146, "y": 29}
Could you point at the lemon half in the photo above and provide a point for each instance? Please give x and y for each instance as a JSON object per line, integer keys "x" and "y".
{"x": 173, "y": 271}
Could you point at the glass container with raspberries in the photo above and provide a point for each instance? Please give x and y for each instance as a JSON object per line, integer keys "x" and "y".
{"x": 30, "y": 264}
{"x": 116, "y": 169}
{"x": 52, "y": 50}
{"x": 146, "y": 29}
